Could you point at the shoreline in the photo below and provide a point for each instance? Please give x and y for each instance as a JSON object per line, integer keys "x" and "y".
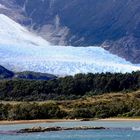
{"x": 6, "y": 122}
{"x": 120, "y": 119}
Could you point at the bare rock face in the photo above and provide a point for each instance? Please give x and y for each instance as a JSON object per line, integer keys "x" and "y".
{"x": 127, "y": 47}
{"x": 114, "y": 24}
{"x": 14, "y": 11}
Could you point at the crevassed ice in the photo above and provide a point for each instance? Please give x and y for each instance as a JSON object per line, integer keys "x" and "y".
{"x": 21, "y": 50}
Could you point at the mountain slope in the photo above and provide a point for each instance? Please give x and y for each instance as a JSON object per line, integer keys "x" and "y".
{"x": 114, "y": 24}
{"x": 28, "y": 75}
{"x": 4, "y": 73}
{"x": 21, "y": 50}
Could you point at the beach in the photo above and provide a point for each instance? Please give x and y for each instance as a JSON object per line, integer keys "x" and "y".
{"x": 7, "y": 122}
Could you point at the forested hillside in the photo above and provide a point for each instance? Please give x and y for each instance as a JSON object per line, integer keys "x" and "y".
{"x": 69, "y": 87}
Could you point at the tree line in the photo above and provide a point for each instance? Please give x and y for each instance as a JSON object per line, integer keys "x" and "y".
{"x": 69, "y": 87}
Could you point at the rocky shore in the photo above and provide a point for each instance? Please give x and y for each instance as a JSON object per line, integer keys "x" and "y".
{"x": 48, "y": 129}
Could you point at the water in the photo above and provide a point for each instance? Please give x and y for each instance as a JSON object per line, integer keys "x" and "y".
{"x": 119, "y": 131}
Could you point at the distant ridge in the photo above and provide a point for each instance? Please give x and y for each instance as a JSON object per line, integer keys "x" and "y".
{"x": 6, "y": 74}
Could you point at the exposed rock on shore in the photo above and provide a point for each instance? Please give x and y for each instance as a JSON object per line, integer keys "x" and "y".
{"x": 48, "y": 129}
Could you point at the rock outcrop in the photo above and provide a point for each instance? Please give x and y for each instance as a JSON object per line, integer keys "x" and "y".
{"x": 48, "y": 129}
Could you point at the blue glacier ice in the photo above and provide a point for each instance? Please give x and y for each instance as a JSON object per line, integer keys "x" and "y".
{"x": 21, "y": 50}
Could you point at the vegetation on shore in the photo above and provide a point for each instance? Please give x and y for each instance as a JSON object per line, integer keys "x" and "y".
{"x": 69, "y": 87}
{"x": 80, "y": 96}
{"x": 101, "y": 106}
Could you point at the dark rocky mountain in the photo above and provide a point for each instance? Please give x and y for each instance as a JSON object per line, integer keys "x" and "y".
{"x": 34, "y": 76}
{"x": 112, "y": 24}
{"x": 6, "y": 74}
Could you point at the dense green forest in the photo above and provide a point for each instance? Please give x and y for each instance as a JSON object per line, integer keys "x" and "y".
{"x": 69, "y": 87}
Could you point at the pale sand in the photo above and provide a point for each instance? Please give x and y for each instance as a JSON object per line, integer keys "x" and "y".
{"x": 38, "y": 121}
{"x": 64, "y": 120}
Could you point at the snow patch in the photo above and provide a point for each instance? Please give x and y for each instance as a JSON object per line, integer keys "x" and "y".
{"x": 3, "y": 7}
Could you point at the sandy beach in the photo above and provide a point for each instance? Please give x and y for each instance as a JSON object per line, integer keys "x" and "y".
{"x": 5, "y": 122}
{"x": 63, "y": 120}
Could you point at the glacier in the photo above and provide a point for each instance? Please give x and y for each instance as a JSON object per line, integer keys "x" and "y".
{"x": 21, "y": 50}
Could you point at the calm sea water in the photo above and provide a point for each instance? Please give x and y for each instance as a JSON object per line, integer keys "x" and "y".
{"x": 119, "y": 131}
